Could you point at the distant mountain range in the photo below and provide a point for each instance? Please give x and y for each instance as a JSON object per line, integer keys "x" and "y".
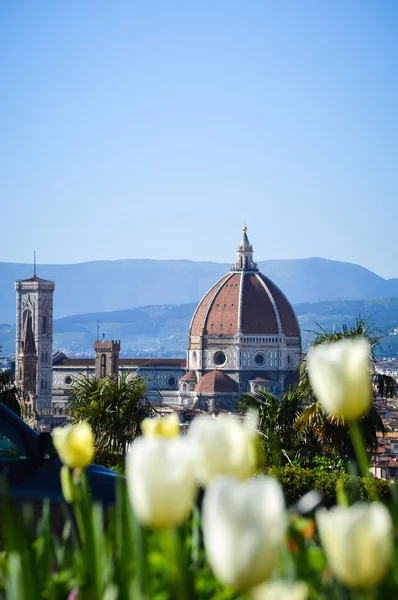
{"x": 115, "y": 285}
{"x": 163, "y": 330}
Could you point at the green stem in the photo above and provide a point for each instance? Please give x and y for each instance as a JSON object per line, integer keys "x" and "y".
{"x": 182, "y": 578}
{"x": 363, "y": 459}
{"x": 141, "y": 552}
{"x": 195, "y": 536}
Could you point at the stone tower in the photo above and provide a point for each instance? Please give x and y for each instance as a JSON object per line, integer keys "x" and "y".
{"x": 34, "y": 338}
{"x": 106, "y": 358}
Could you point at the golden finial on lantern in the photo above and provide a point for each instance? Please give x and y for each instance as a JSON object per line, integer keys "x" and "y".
{"x": 244, "y": 229}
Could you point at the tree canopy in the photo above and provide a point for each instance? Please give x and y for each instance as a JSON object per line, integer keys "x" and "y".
{"x": 114, "y": 407}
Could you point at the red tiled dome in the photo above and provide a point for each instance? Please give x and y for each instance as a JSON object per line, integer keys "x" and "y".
{"x": 190, "y": 376}
{"x": 246, "y": 302}
{"x": 215, "y": 381}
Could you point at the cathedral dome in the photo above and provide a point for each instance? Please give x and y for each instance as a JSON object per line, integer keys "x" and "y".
{"x": 245, "y": 302}
{"x": 215, "y": 382}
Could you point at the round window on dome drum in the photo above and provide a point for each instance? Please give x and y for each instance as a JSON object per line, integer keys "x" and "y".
{"x": 171, "y": 381}
{"x": 68, "y": 380}
{"x": 220, "y": 358}
{"x": 259, "y": 359}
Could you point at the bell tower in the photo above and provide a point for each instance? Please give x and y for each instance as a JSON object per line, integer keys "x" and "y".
{"x": 34, "y": 338}
{"x": 106, "y": 358}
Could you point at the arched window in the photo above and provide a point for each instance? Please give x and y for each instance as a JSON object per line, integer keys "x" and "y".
{"x": 114, "y": 364}
{"x": 288, "y": 359}
{"x": 103, "y": 366}
{"x": 44, "y": 326}
{"x": 184, "y": 387}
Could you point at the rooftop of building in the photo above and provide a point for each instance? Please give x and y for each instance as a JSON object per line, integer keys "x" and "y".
{"x": 123, "y": 362}
{"x": 215, "y": 382}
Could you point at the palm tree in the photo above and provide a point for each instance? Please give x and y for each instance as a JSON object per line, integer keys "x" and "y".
{"x": 333, "y": 432}
{"x": 282, "y": 443}
{"x": 114, "y": 407}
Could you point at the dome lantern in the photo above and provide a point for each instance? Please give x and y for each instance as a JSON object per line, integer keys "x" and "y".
{"x": 244, "y": 257}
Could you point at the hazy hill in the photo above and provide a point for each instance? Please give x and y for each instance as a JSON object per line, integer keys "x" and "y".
{"x": 113, "y": 285}
{"x": 163, "y": 330}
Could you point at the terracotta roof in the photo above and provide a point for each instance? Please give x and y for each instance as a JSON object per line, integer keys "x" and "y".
{"x": 154, "y": 362}
{"x": 199, "y": 316}
{"x": 215, "y": 381}
{"x": 190, "y": 376}
{"x": 133, "y": 362}
{"x": 290, "y": 326}
{"x": 258, "y": 313}
{"x": 261, "y": 379}
{"x": 77, "y": 362}
{"x": 244, "y": 301}
{"x": 224, "y": 311}
{"x": 391, "y": 463}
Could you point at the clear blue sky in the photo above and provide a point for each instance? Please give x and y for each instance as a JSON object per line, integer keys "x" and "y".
{"x": 156, "y": 129}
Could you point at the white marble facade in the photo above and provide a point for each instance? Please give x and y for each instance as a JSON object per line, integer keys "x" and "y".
{"x": 34, "y": 299}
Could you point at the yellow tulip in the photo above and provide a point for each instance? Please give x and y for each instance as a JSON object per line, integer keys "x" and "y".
{"x": 160, "y": 480}
{"x": 225, "y": 446}
{"x": 244, "y": 524}
{"x": 74, "y": 444}
{"x": 339, "y": 374}
{"x": 161, "y": 426}
{"x": 357, "y": 542}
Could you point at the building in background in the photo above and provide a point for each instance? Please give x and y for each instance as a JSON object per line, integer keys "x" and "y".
{"x": 244, "y": 337}
{"x": 34, "y": 339}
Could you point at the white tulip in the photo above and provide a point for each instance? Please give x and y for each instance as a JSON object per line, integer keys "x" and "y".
{"x": 357, "y": 542}
{"x": 339, "y": 374}
{"x": 161, "y": 480}
{"x": 280, "y": 590}
{"x": 244, "y": 525}
{"x": 225, "y": 446}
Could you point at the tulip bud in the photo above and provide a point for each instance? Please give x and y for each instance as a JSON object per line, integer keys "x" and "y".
{"x": 280, "y": 590}
{"x": 163, "y": 426}
{"x": 357, "y": 542}
{"x": 161, "y": 481}
{"x": 74, "y": 444}
{"x": 244, "y": 525}
{"x": 226, "y": 446}
{"x": 340, "y": 377}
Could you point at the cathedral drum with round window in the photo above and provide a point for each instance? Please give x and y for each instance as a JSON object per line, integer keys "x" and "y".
{"x": 259, "y": 359}
{"x": 219, "y": 358}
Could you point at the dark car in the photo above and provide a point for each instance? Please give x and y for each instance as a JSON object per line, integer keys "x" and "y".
{"x": 32, "y": 469}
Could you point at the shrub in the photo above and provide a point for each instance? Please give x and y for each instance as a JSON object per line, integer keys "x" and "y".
{"x": 297, "y": 482}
